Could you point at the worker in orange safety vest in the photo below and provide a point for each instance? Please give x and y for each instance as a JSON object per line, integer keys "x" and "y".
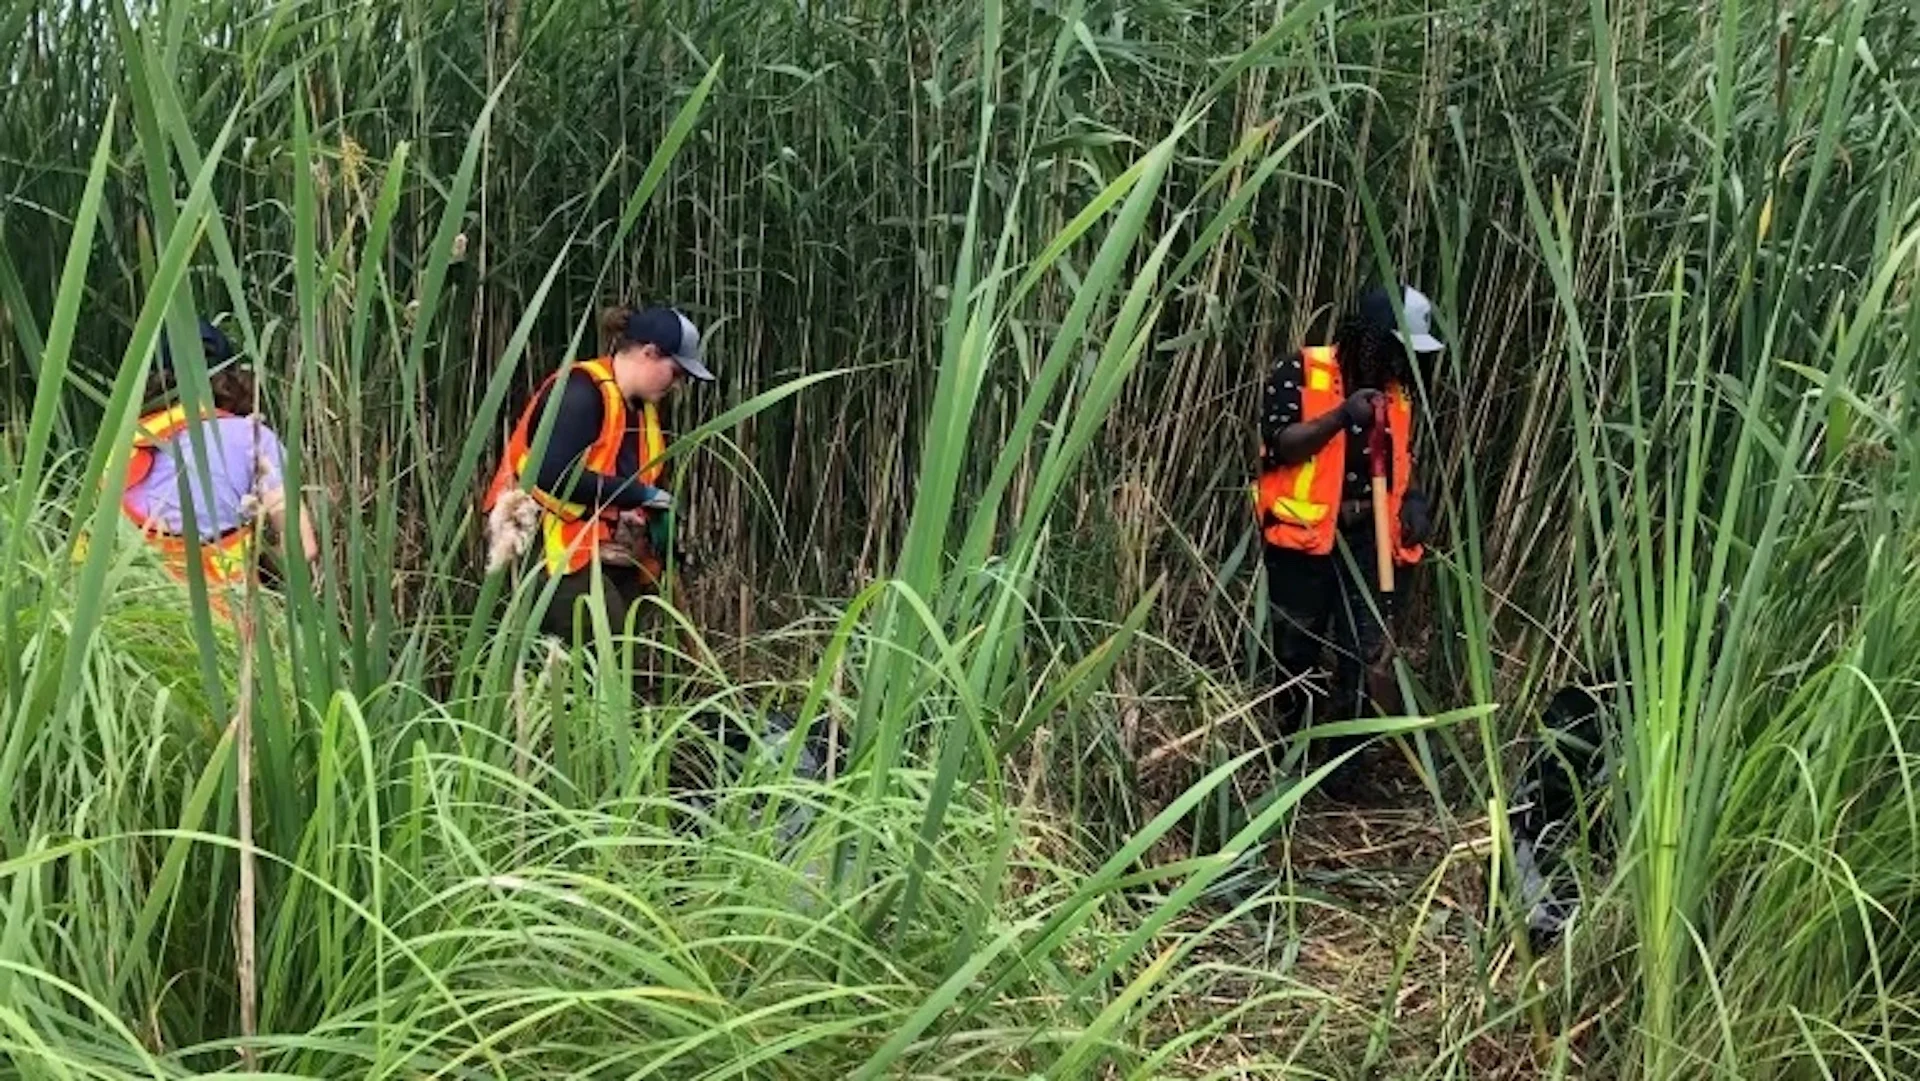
{"x": 200, "y": 484}
{"x": 596, "y": 486}
{"x": 1313, "y": 501}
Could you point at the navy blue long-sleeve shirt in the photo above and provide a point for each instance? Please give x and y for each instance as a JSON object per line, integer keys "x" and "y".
{"x": 562, "y": 471}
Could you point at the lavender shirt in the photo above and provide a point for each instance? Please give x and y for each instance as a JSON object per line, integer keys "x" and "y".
{"x": 231, "y": 444}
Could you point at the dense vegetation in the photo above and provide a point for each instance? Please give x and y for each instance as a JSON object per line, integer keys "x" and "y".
{"x": 991, "y": 288}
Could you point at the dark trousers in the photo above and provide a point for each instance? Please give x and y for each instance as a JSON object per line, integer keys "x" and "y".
{"x": 1321, "y": 606}
{"x": 570, "y": 616}
{"x": 623, "y": 589}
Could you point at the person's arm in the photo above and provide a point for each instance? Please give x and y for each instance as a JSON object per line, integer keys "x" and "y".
{"x": 561, "y": 472}
{"x": 309, "y": 540}
{"x": 1280, "y": 408}
{"x": 269, "y": 464}
{"x": 1300, "y": 441}
{"x": 276, "y": 506}
{"x": 1290, "y": 440}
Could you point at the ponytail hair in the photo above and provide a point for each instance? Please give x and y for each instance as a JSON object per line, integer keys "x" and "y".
{"x": 613, "y": 327}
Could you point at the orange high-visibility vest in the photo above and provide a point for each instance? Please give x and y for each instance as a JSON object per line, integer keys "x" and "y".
{"x": 223, "y": 559}
{"x": 1299, "y": 505}
{"x": 571, "y": 533}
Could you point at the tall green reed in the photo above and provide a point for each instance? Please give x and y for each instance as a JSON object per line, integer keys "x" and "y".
{"x": 387, "y": 808}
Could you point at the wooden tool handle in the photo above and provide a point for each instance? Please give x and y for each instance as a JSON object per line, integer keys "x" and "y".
{"x": 1378, "y": 448}
{"x": 1382, "y": 535}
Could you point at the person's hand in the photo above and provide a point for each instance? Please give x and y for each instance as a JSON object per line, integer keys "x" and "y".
{"x": 1359, "y": 407}
{"x": 660, "y": 532}
{"x": 665, "y": 539}
{"x": 1416, "y": 519}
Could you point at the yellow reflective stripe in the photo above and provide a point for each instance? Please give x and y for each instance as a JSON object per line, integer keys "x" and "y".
{"x": 551, "y": 503}
{"x": 606, "y": 451}
{"x": 151, "y": 427}
{"x": 1300, "y": 507}
{"x": 1294, "y": 510}
{"x": 1320, "y": 368}
{"x": 655, "y": 443}
{"x": 155, "y": 427}
{"x": 556, "y": 548}
{"x": 1303, "y": 480}
{"x": 553, "y": 546}
{"x": 228, "y": 562}
{"x": 155, "y": 423}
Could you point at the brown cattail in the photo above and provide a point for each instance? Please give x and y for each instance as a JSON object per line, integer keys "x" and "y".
{"x": 510, "y": 528}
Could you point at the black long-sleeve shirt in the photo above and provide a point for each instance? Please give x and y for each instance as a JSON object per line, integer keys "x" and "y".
{"x": 562, "y": 472}
{"x": 1281, "y": 406}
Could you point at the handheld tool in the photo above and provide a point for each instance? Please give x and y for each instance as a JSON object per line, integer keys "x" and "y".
{"x": 1377, "y": 452}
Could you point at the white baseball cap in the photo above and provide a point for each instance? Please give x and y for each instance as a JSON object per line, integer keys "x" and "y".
{"x": 1377, "y": 310}
{"x": 670, "y": 331}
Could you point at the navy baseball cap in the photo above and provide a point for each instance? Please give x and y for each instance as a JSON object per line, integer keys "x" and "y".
{"x": 1376, "y": 310}
{"x": 673, "y": 334}
{"x": 213, "y": 344}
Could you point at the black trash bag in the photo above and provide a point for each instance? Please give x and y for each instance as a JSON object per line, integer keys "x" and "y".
{"x": 1558, "y": 802}
{"x": 727, "y": 750}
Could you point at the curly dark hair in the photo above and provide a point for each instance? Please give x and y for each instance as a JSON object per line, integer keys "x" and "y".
{"x": 234, "y": 390}
{"x": 1371, "y": 356}
{"x": 233, "y": 385}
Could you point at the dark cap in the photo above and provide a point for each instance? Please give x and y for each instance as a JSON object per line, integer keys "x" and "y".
{"x": 1376, "y": 310}
{"x": 673, "y": 334}
{"x": 213, "y": 344}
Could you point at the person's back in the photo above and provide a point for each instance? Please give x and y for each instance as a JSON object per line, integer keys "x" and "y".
{"x": 232, "y": 465}
{"x": 243, "y": 459}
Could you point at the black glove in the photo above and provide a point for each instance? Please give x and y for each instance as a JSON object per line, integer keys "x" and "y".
{"x": 660, "y": 531}
{"x": 1359, "y": 407}
{"x": 1416, "y": 519}
{"x": 665, "y": 539}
